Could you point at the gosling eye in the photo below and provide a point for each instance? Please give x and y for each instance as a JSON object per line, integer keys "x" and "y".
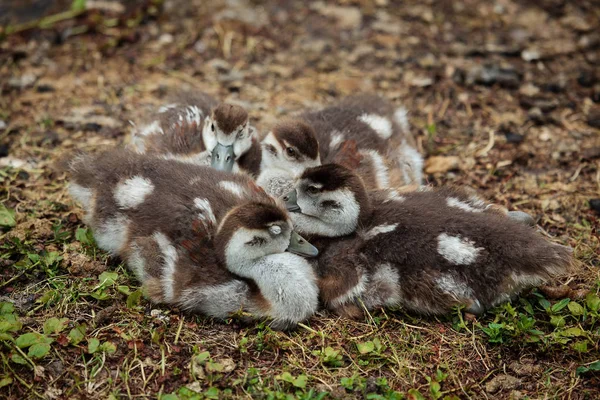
{"x": 256, "y": 241}
{"x": 290, "y": 152}
{"x": 212, "y": 127}
{"x": 312, "y": 190}
{"x": 275, "y": 229}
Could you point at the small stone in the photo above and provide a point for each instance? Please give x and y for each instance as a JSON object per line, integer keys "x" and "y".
{"x": 346, "y": 17}
{"x": 529, "y": 90}
{"x": 23, "y": 81}
{"x": 587, "y": 78}
{"x": 512, "y": 137}
{"x": 536, "y": 115}
{"x": 588, "y": 154}
{"x": 166, "y": 38}
{"x": 2, "y": 125}
{"x": 596, "y": 94}
{"x": 437, "y": 164}
{"x": 200, "y": 47}
{"x": 595, "y": 205}
{"x": 502, "y": 382}
{"x": 45, "y": 88}
{"x": 489, "y": 75}
{"x": 525, "y": 368}
{"x": 530, "y": 55}
{"x": 228, "y": 364}
{"x": 593, "y": 118}
{"x": 555, "y": 292}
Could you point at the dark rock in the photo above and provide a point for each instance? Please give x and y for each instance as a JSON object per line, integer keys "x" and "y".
{"x": 3, "y": 150}
{"x": 459, "y": 76}
{"x": 488, "y": 75}
{"x": 536, "y": 115}
{"x": 593, "y": 118}
{"x": 543, "y": 104}
{"x": 591, "y": 153}
{"x": 596, "y": 94}
{"x": 514, "y": 137}
{"x": 22, "y": 175}
{"x": 587, "y": 78}
{"x": 45, "y": 88}
{"x": 92, "y": 126}
{"x": 595, "y": 205}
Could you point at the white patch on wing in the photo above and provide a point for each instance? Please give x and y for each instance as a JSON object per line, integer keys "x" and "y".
{"x": 401, "y": 118}
{"x": 384, "y": 287}
{"x": 169, "y": 254}
{"x": 193, "y": 115}
{"x": 353, "y": 293}
{"x": 217, "y": 301}
{"x": 411, "y": 164}
{"x": 454, "y": 202}
{"x": 477, "y": 202}
{"x": 381, "y": 171}
{"x": 167, "y": 107}
{"x": 206, "y": 212}
{"x": 132, "y": 192}
{"x": 81, "y": 194}
{"x": 233, "y": 188}
{"x": 381, "y": 125}
{"x": 449, "y": 284}
{"x": 336, "y": 139}
{"x": 151, "y": 128}
{"x": 457, "y": 250}
{"x": 378, "y": 230}
{"x": 137, "y": 262}
{"x": 202, "y": 158}
{"x": 393, "y": 195}
{"x": 112, "y": 234}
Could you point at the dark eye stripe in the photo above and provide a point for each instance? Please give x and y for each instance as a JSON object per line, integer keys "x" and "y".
{"x": 271, "y": 149}
{"x": 256, "y": 241}
{"x": 330, "y": 204}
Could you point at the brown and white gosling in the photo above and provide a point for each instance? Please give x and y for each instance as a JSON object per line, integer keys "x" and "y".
{"x": 201, "y": 239}
{"x": 382, "y": 135}
{"x": 425, "y": 250}
{"x": 196, "y": 128}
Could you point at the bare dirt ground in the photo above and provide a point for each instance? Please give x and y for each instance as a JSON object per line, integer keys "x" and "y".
{"x": 503, "y": 95}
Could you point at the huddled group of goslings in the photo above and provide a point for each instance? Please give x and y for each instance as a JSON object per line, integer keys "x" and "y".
{"x": 325, "y": 210}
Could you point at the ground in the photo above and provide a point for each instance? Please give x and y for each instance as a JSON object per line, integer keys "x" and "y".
{"x": 502, "y": 95}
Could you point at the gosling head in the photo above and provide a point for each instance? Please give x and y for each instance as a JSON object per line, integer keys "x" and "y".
{"x": 291, "y": 146}
{"x": 255, "y": 230}
{"x": 227, "y": 135}
{"x": 328, "y": 200}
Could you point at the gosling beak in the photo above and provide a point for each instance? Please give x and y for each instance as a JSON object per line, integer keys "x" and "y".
{"x": 299, "y": 245}
{"x": 222, "y": 158}
{"x": 291, "y": 201}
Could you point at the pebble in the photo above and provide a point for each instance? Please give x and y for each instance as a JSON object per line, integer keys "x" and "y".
{"x": 593, "y": 118}
{"x": 437, "y": 164}
{"x": 489, "y": 75}
{"x": 514, "y": 137}
{"x": 23, "y": 81}
{"x": 530, "y": 55}
{"x": 502, "y": 382}
{"x": 595, "y": 205}
{"x": 2, "y": 124}
{"x": 587, "y": 78}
